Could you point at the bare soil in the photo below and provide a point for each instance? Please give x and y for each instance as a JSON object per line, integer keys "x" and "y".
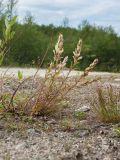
{"x": 62, "y": 136}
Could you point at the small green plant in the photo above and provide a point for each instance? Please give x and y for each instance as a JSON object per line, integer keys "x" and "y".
{"x": 7, "y": 36}
{"x": 7, "y": 102}
{"x": 80, "y": 115}
{"x": 66, "y": 124}
{"x": 106, "y": 104}
{"x": 116, "y": 130}
{"x": 20, "y": 75}
{"x": 67, "y": 146}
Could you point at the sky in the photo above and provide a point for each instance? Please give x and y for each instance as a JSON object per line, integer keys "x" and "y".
{"x": 99, "y": 12}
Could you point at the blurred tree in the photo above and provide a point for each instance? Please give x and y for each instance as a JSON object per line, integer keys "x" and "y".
{"x": 65, "y": 22}
{"x": 32, "y": 40}
{"x": 1, "y": 8}
{"x": 11, "y": 8}
{"x": 29, "y": 19}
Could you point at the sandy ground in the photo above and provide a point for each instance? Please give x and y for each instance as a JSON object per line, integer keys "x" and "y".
{"x": 61, "y": 137}
{"x": 31, "y": 72}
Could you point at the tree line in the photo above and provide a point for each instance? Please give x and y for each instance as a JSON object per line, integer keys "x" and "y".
{"x": 32, "y": 41}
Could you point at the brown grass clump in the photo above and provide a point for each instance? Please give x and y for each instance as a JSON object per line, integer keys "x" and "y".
{"x": 106, "y": 104}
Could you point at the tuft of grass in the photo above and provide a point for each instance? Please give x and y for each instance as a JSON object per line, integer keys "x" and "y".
{"x": 106, "y": 104}
{"x": 80, "y": 115}
{"x": 67, "y": 146}
{"x": 116, "y": 130}
{"x": 66, "y": 124}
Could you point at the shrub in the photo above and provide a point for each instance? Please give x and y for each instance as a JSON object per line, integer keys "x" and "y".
{"x": 106, "y": 104}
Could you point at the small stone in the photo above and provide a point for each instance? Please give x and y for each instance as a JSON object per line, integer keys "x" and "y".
{"x": 107, "y": 158}
{"x": 83, "y": 122}
{"x": 20, "y": 146}
{"x": 79, "y": 156}
{"x": 31, "y": 131}
{"x": 67, "y": 157}
{"x": 81, "y": 133}
{"x": 117, "y": 79}
{"x": 52, "y": 121}
{"x": 1, "y": 127}
{"x": 83, "y": 109}
{"x": 102, "y": 132}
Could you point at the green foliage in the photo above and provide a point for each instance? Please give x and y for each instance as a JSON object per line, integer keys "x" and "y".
{"x": 66, "y": 124}
{"x": 116, "y": 130}
{"x": 7, "y": 36}
{"x": 20, "y": 75}
{"x": 80, "y": 115}
{"x": 31, "y": 42}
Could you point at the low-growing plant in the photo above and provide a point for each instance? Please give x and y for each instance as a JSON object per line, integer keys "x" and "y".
{"x": 116, "y": 130}
{"x": 80, "y": 115}
{"x": 106, "y": 103}
{"x": 67, "y": 146}
{"x": 66, "y": 124}
{"x": 20, "y": 75}
{"x": 50, "y": 94}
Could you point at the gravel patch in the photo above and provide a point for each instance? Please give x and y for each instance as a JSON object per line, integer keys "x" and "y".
{"x": 87, "y": 139}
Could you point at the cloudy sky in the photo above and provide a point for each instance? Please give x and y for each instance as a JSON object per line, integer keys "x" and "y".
{"x": 100, "y": 12}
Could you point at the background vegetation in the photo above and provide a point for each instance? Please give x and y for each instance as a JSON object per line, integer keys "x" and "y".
{"x": 32, "y": 41}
